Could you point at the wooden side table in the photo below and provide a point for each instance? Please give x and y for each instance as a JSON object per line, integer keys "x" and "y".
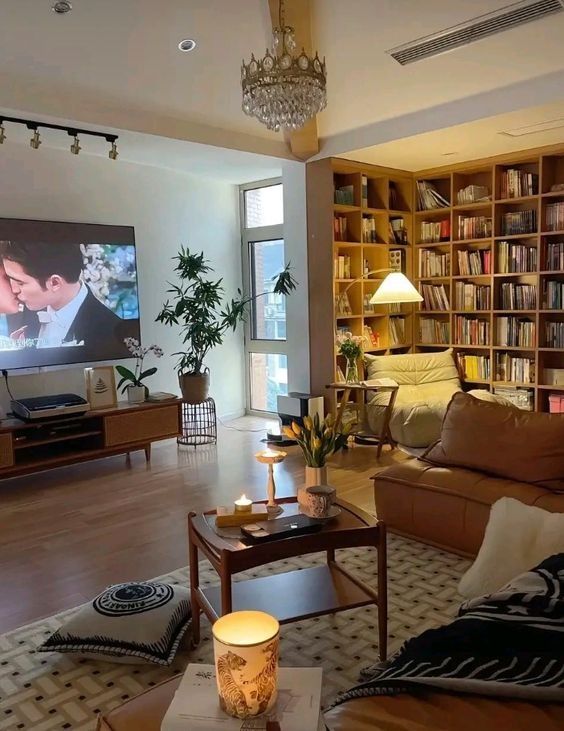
{"x": 293, "y": 595}
{"x": 384, "y": 437}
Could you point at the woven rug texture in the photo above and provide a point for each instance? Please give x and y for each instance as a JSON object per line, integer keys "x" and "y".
{"x": 45, "y": 692}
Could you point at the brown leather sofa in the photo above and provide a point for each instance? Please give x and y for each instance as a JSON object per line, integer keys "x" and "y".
{"x": 431, "y": 712}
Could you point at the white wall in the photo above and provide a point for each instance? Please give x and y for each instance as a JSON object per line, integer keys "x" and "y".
{"x": 167, "y": 209}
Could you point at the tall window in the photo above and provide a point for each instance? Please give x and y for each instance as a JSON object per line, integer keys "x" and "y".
{"x": 262, "y": 217}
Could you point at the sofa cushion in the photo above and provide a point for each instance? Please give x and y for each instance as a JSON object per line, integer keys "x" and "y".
{"x": 517, "y": 538}
{"x": 413, "y": 368}
{"x": 501, "y": 440}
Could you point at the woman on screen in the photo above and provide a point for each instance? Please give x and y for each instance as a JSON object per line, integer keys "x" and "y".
{"x": 9, "y": 305}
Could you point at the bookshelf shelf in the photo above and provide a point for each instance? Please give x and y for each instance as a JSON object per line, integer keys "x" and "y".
{"x": 514, "y": 237}
{"x": 342, "y": 208}
{"x": 480, "y": 240}
{"x": 479, "y": 205}
{"x": 552, "y": 233}
{"x": 521, "y": 199}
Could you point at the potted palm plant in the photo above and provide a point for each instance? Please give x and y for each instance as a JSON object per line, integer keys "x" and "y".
{"x": 197, "y": 304}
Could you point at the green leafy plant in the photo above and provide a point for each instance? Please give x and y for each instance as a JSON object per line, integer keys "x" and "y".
{"x": 197, "y": 305}
{"x": 137, "y": 376}
{"x": 317, "y": 439}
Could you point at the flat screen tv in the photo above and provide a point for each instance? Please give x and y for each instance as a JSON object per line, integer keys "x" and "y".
{"x": 68, "y": 292}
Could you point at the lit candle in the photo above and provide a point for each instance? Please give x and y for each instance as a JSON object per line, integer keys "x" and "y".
{"x": 243, "y": 504}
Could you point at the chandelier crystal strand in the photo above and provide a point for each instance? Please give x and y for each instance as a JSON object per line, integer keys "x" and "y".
{"x": 282, "y": 90}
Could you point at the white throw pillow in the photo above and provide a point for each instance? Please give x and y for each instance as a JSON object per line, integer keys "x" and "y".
{"x": 517, "y": 537}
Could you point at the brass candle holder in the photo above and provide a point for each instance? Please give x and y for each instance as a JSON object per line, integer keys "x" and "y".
{"x": 271, "y": 457}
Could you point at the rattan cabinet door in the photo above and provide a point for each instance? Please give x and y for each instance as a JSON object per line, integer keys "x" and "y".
{"x": 6, "y": 451}
{"x": 141, "y": 426}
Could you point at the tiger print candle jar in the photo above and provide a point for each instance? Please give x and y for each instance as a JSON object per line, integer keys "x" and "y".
{"x": 246, "y": 662}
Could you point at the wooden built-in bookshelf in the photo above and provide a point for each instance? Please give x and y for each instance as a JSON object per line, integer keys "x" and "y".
{"x": 479, "y": 302}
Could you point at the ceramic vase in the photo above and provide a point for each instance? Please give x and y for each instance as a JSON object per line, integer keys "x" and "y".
{"x": 136, "y": 394}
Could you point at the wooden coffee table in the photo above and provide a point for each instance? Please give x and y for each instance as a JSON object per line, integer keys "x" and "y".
{"x": 293, "y": 595}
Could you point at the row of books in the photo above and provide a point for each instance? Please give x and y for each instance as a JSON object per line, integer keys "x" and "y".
{"x": 371, "y": 338}
{"x": 369, "y": 234}
{"x": 474, "y": 262}
{"x": 518, "y": 183}
{"x": 344, "y": 195}
{"x": 555, "y": 257}
{"x": 433, "y": 263}
{"x": 342, "y": 304}
{"x": 340, "y": 228}
{"x": 469, "y": 296}
{"x": 513, "y": 332}
{"x": 433, "y": 232}
{"x": 523, "y": 398}
{"x": 519, "y": 222}
{"x": 434, "y": 297}
{"x": 555, "y": 216}
{"x": 471, "y": 330}
{"x": 513, "y": 368}
{"x": 473, "y": 194}
{"x": 474, "y": 227}
{"x": 553, "y": 295}
{"x": 428, "y": 197}
{"x": 516, "y": 257}
{"x": 342, "y": 267}
{"x": 554, "y": 334}
{"x": 474, "y": 367}
{"x": 517, "y": 296}
{"x": 396, "y": 330}
{"x": 397, "y": 231}
{"x": 434, "y": 331}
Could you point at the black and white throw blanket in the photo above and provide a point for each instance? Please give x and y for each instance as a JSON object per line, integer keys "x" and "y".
{"x": 507, "y": 644}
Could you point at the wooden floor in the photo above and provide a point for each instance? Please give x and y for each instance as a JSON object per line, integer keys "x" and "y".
{"x": 67, "y": 533}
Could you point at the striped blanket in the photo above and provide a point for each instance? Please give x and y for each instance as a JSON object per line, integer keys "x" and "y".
{"x": 508, "y": 644}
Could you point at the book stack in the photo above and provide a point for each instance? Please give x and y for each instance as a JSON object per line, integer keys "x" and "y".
{"x": 555, "y": 216}
{"x": 398, "y": 231}
{"x": 364, "y": 192}
{"x": 396, "y": 260}
{"x": 433, "y": 263}
{"x": 473, "y": 263}
{"x": 471, "y": 296}
{"x": 515, "y": 369}
{"x": 514, "y": 257}
{"x": 344, "y": 195}
{"x": 396, "y": 329}
{"x": 513, "y": 332}
{"x": 523, "y": 398}
{"x": 518, "y": 296}
{"x": 340, "y": 228}
{"x": 434, "y": 297}
{"x": 474, "y": 367}
{"x": 518, "y": 183}
{"x": 471, "y": 330}
{"x": 369, "y": 235}
{"x": 342, "y": 267}
{"x": 474, "y": 227}
{"x": 554, "y": 334}
{"x": 368, "y": 307}
{"x": 553, "y": 295}
{"x": 433, "y": 331}
{"x": 554, "y": 257}
{"x": 433, "y": 232}
{"x": 428, "y": 197}
{"x": 472, "y": 194}
{"x": 371, "y": 338}
{"x": 342, "y": 304}
{"x": 519, "y": 222}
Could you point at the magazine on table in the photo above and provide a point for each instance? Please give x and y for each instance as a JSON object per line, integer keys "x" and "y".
{"x": 195, "y": 706}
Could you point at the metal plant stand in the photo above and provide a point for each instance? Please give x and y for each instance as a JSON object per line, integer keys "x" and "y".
{"x": 199, "y": 424}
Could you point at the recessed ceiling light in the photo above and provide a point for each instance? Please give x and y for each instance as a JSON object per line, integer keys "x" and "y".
{"x": 61, "y": 7}
{"x": 187, "y": 45}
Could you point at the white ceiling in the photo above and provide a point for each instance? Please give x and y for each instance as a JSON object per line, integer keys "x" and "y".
{"x": 115, "y": 63}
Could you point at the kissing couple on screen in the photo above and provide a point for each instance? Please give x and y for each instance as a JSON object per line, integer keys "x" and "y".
{"x": 48, "y": 305}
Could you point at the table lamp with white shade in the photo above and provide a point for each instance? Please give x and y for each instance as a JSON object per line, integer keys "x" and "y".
{"x": 395, "y": 288}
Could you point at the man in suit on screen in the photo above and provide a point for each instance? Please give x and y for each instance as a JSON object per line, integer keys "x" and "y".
{"x": 60, "y": 309}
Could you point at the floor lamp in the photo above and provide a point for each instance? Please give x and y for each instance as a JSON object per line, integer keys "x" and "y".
{"x": 395, "y": 288}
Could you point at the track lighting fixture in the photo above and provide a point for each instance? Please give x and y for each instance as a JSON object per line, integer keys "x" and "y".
{"x": 61, "y": 7}
{"x": 73, "y": 132}
{"x": 75, "y": 148}
{"x": 35, "y": 141}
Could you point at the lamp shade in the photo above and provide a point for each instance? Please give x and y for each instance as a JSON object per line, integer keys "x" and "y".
{"x": 395, "y": 288}
{"x": 246, "y": 662}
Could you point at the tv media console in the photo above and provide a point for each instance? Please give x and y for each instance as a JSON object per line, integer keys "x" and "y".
{"x": 34, "y": 446}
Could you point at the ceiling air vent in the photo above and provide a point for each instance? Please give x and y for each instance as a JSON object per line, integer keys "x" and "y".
{"x": 472, "y": 30}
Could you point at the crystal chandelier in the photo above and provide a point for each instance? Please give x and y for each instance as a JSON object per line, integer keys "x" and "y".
{"x": 283, "y": 90}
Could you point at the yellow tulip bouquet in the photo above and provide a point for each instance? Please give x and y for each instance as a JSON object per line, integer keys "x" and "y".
{"x": 318, "y": 439}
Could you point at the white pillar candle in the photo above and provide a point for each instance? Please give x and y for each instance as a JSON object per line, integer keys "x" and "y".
{"x": 246, "y": 662}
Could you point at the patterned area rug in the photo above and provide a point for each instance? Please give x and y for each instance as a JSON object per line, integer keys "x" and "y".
{"x": 45, "y": 692}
